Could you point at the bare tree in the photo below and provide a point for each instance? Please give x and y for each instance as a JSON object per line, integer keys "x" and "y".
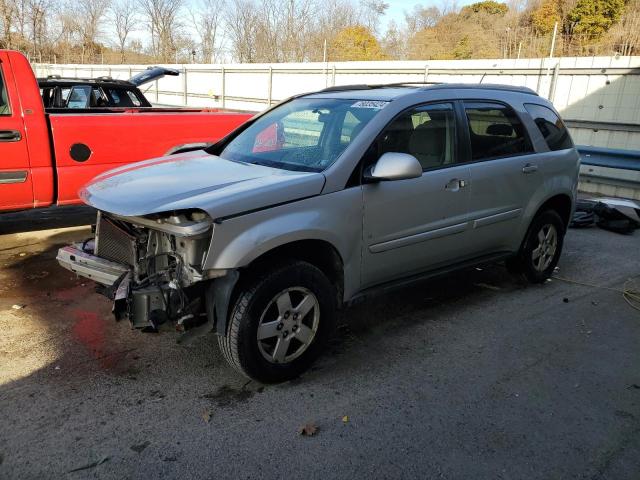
{"x": 421, "y": 18}
{"x": 7, "y": 13}
{"x": 162, "y": 17}
{"x": 371, "y": 12}
{"x": 90, "y": 15}
{"x": 125, "y": 21}
{"x": 242, "y": 21}
{"x": 36, "y": 16}
{"x": 207, "y": 18}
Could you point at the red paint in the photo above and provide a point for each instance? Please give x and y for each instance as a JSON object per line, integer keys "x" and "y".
{"x": 117, "y": 138}
{"x": 89, "y": 330}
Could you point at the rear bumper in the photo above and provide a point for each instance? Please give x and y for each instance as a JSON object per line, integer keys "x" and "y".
{"x": 98, "y": 269}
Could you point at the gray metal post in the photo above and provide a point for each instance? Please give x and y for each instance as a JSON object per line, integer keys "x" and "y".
{"x": 540, "y": 75}
{"x": 270, "y": 84}
{"x": 184, "y": 87}
{"x": 222, "y": 93}
{"x": 333, "y": 76}
{"x": 554, "y": 83}
{"x": 426, "y": 73}
{"x": 157, "y": 94}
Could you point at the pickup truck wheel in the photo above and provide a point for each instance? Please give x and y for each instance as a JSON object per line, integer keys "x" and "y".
{"x": 541, "y": 248}
{"x": 280, "y": 323}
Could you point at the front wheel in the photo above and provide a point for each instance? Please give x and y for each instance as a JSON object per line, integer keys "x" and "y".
{"x": 541, "y": 248}
{"x": 280, "y": 323}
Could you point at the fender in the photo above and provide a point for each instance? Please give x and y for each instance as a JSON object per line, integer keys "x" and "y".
{"x": 238, "y": 241}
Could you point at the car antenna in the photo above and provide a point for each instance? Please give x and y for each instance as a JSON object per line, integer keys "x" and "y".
{"x": 483, "y": 75}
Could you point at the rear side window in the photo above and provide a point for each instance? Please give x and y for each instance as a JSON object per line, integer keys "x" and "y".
{"x": 550, "y": 126}
{"x": 4, "y": 98}
{"x": 495, "y": 131}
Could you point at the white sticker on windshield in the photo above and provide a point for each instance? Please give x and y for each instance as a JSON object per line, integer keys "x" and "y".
{"x": 373, "y": 104}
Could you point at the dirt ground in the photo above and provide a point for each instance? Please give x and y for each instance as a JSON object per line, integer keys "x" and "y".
{"x": 473, "y": 375}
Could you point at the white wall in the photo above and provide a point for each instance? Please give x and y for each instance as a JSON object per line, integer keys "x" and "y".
{"x": 604, "y": 90}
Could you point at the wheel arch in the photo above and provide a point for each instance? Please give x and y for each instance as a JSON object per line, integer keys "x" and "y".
{"x": 562, "y": 204}
{"x": 320, "y": 253}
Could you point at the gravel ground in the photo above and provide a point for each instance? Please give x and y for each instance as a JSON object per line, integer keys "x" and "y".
{"x": 473, "y": 375}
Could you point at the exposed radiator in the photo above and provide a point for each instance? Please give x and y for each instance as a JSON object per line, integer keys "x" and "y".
{"x": 113, "y": 242}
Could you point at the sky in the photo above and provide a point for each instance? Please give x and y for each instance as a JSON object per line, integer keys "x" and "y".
{"x": 398, "y": 7}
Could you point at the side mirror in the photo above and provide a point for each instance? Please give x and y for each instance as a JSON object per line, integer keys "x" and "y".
{"x": 395, "y": 166}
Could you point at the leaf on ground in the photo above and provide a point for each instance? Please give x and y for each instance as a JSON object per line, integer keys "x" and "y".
{"x": 308, "y": 430}
{"x": 345, "y": 419}
{"x": 206, "y": 416}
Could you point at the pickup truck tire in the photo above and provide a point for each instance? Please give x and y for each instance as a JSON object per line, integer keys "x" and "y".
{"x": 541, "y": 248}
{"x": 292, "y": 309}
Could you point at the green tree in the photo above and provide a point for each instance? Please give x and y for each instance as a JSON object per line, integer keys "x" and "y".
{"x": 545, "y": 16}
{"x": 489, "y": 7}
{"x": 594, "y": 18}
{"x": 355, "y": 43}
{"x": 463, "y": 50}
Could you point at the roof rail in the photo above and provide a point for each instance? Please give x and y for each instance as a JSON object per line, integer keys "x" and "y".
{"x": 433, "y": 85}
{"x": 485, "y": 86}
{"x": 342, "y": 88}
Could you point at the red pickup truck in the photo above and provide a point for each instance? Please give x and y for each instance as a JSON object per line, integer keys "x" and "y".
{"x": 47, "y": 155}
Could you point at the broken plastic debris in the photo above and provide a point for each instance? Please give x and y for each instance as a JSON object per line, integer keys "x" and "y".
{"x": 18, "y": 306}
{"x": 345, "y": 419}
{"x": 22, "y": 254}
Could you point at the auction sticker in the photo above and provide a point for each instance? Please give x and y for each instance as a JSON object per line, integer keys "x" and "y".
{"x": 372, "y": 104}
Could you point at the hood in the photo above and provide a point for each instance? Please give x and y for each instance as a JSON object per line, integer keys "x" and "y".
{"x": 151, "y": 74}
{"x": 196, "y": 180}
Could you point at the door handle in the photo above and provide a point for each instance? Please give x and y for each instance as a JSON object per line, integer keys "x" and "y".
{"x": 530, "y": 168}
{"x": 10, "y": 136}
{"x": 455, "y": 184}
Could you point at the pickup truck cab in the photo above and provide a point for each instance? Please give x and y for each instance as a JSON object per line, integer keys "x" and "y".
{"x": 46, "y": 155}
{"x": 325, "y": 198}
{"x": 58, "y": 92}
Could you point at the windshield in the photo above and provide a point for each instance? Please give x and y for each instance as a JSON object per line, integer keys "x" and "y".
{"x": 303, "y": 134}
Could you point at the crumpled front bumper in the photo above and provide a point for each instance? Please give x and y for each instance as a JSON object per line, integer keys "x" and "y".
{"x": 98, "y": 269}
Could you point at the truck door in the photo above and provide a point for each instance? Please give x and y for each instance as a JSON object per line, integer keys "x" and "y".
{"x": 16, "y": 187}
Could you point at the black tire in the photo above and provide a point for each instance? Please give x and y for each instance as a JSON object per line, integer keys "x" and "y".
{"x": 241, "y": 347}
{"x": 524, "y": 262}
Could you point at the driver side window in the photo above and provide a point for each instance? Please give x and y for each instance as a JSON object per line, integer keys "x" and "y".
{"x": 427, "y": 133}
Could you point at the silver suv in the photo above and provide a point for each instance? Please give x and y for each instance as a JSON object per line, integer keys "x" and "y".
{"x": 326, "y": 197}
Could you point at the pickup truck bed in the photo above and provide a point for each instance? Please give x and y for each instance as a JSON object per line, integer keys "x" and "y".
{"x": 47, "y": 155}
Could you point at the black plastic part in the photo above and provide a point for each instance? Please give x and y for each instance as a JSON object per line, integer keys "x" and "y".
{"x": 80, "y": 152}
{"x": 218, "y": 297}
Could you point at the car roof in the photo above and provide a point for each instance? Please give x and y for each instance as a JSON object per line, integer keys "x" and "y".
{"x": 388, "y": 92}
{"x": 55, "y": 81}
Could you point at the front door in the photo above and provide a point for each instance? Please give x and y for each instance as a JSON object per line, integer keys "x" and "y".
{"x": 16, "y": 191}
{"x": 417, "y": 224}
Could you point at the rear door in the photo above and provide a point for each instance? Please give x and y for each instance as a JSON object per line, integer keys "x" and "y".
{"x": 422, "y": 223}
{"x": 505, "y": 174}
{"x": 16, "y": 188}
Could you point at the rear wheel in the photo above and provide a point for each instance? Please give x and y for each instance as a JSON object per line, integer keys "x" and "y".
{"x": 280, "y": 323}
{"x": 541, "y": 249}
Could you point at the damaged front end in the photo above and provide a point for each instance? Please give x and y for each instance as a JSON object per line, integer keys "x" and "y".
{"x": 152, "y": 268}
